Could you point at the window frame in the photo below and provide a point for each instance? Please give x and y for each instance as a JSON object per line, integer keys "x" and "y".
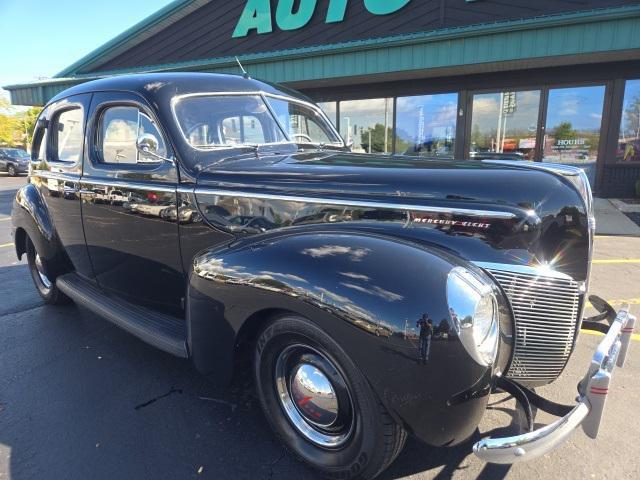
{"x": 51, "y": 145}
{"x": 264, "y": 95}
{"x": 95, "y": 139}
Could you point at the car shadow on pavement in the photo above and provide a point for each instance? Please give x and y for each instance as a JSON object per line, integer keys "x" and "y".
{"x": 418, "y": 457}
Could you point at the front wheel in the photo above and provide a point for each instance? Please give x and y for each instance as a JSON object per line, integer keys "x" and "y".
{"x": 320, "y": 405}
{"x": 11, "y": 170}
{"x": 42, "y": 278}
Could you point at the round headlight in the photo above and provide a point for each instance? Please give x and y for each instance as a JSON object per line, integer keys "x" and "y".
{"x": 474, "y": 313}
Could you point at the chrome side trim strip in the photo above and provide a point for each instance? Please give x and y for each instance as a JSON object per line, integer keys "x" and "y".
{"x": 67, "y": 177}
{"x": 106, "y": 183}
{"x": 129, "y": 185}
{"x": 357, "y": 203}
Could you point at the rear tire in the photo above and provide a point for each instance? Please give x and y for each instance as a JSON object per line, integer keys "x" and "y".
{"x": 43, "y": 279}
{"x": 320, "y": 405}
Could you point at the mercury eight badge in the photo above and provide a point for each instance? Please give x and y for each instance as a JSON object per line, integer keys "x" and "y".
{"x": 223, "y": 219}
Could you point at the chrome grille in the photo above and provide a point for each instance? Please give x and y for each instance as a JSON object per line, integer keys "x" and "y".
{"x": 546, "y": 312}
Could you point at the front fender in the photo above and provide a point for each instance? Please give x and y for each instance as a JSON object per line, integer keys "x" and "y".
{"x": 367, "y": 292}
{"x": 30, "y": 213}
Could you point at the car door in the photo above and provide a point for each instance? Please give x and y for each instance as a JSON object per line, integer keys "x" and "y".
{"x": 3, "y": 161}
{"x": 132, "y": 242}
{"x": 57, "y": 158}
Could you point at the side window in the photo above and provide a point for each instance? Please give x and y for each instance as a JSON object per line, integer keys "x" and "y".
{"x": 120, "y": 128}
{"x": 67, "y": 137}
{"x": 39, "y": 141}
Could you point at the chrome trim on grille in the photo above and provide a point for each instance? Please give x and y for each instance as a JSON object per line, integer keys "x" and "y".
{"x": 545, "y": 304}
{"x": 359, "y": 203}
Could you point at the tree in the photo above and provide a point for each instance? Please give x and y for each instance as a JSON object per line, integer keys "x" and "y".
{"x": 565, "y": 131}
{"x": 377, "y": 139}
{"x": 632, "y": 118}
{"x": 16, "y": 128}
{"x": 28, "y": 121}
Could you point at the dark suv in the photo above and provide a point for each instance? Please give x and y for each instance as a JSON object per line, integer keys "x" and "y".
{"x": 14, "y": 161}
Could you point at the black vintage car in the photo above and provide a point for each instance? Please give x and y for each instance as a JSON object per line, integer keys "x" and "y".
{"x": 373, "y": 297}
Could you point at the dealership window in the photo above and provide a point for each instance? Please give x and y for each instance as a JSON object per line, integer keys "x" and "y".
{"x": 572, "y": 131}
{"x": 369, "y": 124}
{"x": 331, "y": 111}
{"x": 629, "y": 138}
{"x": 426, "y": 125}
{"x": 505, "y": 123}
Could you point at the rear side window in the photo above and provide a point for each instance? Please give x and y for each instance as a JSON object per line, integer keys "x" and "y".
{"x": 68, "y": 134}
{"x": 120, "y": 128}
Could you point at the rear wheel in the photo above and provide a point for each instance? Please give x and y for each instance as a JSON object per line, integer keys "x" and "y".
{"x": 11, "y": 170}
{"x": 42, "y": 277}
{"x": 319, "y": 403}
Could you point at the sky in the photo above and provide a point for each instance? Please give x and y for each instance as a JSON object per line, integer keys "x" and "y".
{"x": 42, "y": 37}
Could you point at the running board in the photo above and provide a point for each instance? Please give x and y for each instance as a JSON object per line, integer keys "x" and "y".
{"x": 162, "y": 331}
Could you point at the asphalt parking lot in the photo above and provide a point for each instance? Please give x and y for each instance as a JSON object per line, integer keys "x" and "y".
{"x": 80, "y": 398}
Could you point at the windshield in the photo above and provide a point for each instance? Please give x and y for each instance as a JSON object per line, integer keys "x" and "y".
{"x": 213, "y": 121}
{"x": 303, "y": 124}
{"x": 16, "y": 152}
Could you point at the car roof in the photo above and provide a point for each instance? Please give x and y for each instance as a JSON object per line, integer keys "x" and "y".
{"x": 151, "y": 85}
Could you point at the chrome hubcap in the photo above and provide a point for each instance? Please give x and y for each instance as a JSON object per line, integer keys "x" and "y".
{"x": 43, "y": 276}
{"x": 314, "y": 396}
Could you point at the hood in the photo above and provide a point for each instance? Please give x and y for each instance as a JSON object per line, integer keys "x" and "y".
{"x": 480, "y": 210}
{"x": 388, "y": 178}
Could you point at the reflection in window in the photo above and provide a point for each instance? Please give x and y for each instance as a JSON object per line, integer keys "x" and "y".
{"x": 302, "y": 123}
{"x": 242, "y": 130}
{"x": 629, "y": 139}
{"x": 505, "y": 123}
{"x": 572, "y": 133}
{"x": 368, "y": 123}
{"x": 426, "y": 125}
{"x": 121, "y": 127}
{"x": 70, "y": 135}
{"x": 331, "y": 111}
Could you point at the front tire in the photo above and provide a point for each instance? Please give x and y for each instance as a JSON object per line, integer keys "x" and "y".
{"x": 320, "y": 405}
{"x": 11, "y": 170}
{"x": 43, "y": 279}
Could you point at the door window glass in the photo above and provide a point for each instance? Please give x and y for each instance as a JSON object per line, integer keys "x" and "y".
{"x": 572, "y": 133}
{"x": 504, "y": 124}
{"x": 426, "y": 125}
{"x": 368, "y": 124}
{"x": 120, "y": 129}
{"x": 629, "y": 139}
{"x": 68, "y": 136}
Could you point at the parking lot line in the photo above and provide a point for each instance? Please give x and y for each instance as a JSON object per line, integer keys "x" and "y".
{"x": 5, "y": 219}
{"x": 605, "y": 261}
{"x": 619, "y": 302}
{"x": 635, "y": 336}
{"x": 6, "y": 245}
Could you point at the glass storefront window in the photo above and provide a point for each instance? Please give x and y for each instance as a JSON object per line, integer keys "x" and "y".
{"x": 629, "y": 139}
{"x": 331, "y": 111}
{"x": 368, "y": 123}
{"x": 572, "y": 133}
{"x": 504, "y": 124}
{"x": 426, "y": 125}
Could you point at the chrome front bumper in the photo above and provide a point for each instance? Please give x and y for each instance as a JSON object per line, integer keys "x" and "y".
{"x": 593, "y": 390}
